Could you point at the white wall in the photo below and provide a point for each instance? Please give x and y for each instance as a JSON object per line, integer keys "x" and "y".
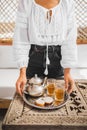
{"x": 6, "y": 57}
{"x": 8, "y": 75}
{"x": 82, "y": 56}
{"x": 7, "y": 60}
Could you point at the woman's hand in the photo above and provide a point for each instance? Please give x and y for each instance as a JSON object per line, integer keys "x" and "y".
{"x": 69, "y": 82}
{"x": 21, "y": 81}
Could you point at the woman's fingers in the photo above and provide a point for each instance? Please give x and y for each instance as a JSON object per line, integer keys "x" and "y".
{"x": 70, "y": 87}
{"x": 18, "y": 88}
{"x": 20, "y": 84}
{"x": 66, "y": 85}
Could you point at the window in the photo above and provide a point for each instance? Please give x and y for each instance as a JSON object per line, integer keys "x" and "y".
{"x": 8, "y": 10}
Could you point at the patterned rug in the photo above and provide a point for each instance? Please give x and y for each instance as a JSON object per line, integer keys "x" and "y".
{"x": 73, "y": 114}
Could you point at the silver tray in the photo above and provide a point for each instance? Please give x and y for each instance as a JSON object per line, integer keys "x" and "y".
{"x": 31, "y": 102}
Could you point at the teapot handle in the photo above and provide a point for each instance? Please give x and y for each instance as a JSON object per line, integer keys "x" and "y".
{"x": 36, "y": 76}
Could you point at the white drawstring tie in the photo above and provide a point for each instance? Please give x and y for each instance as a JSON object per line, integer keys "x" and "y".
{"x": 49, "y": 15}
{"x": 47, "y": 61}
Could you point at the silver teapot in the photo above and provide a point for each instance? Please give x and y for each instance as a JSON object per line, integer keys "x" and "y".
{"x": 36, "y": 86}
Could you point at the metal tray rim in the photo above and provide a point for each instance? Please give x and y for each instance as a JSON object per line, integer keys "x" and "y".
{"x": 46, "y": 108}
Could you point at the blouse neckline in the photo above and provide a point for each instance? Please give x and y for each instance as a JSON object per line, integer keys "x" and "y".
{"x": 46, "y": 9}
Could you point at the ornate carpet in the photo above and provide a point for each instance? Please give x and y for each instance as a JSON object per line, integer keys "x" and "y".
{"x": 72, "y": 116}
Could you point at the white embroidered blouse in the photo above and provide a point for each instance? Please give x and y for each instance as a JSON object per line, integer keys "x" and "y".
{"x": 35, "y": 25}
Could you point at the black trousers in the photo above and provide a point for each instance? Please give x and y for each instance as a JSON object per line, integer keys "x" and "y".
{"x": 37, "y": 61}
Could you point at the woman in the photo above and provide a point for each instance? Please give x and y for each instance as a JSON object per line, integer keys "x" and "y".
{"x": 45, "y": 40}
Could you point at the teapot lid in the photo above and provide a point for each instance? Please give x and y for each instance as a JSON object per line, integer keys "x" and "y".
{"x": 35, "y": 80}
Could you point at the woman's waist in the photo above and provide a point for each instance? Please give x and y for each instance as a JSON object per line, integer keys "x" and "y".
{"x": 40, "y": 48}
{"x": 40, "y": 43}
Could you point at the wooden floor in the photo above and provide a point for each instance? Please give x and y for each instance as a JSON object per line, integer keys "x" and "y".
{"x": 4, "y": 103}
{"x": 2, "y": 114}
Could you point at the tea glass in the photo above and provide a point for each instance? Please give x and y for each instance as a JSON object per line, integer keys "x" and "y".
{"x": 50, "y": 87}
{"x": 59, "y": 92}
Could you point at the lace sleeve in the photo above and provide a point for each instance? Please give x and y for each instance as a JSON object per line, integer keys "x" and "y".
{"x": 69, "y": 47}
{"x": 21, "y": 40}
